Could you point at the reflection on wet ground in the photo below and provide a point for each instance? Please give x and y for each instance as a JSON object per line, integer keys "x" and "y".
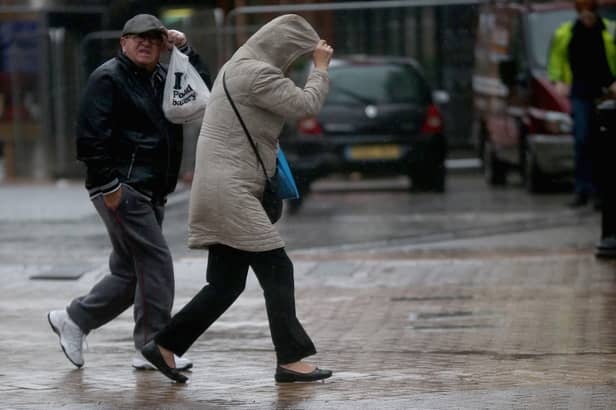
{"x": 517, "y": 332}
{"x": 474, "y": 299}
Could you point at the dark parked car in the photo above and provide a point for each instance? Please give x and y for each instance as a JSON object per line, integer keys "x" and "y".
{"x": 379, "y": 118}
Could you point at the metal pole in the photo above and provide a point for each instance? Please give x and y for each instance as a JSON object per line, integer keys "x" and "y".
{"x": 219, "y": 20}
{"x": 353, "y": 5}
{"x": 57, "y": 37}
{"x": 97, "y": 35}
{"x": 17, "y": 148}
{"x": 51, "y": 8}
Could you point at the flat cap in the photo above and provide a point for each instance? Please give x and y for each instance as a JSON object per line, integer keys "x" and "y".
{"x": 143, "y": 23}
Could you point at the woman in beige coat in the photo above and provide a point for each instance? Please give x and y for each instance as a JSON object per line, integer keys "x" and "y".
{"x": 226, "y": 215}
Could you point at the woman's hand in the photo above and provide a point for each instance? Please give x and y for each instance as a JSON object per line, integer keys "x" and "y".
{"x": 175, "y": 38}
{"x": 322, "y": 55}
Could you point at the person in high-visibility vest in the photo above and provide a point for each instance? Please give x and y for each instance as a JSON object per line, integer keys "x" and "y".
{"x": 582, "y": 64}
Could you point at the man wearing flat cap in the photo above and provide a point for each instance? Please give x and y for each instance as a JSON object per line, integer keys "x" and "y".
{"x": 132, "y": 156}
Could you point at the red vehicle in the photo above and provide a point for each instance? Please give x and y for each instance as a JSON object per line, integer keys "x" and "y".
{"x": 521, "y": 123}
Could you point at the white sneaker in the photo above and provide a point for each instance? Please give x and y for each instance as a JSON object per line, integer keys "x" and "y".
{"x": 141, "y": 363}
{"x": 71, "y": 336}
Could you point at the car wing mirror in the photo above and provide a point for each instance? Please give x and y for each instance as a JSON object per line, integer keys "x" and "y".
{"x": 440, "y": 97}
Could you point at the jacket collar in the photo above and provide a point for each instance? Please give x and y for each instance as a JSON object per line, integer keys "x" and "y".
{"x": 599, "y": 25}
{"x": 134, "y": 68}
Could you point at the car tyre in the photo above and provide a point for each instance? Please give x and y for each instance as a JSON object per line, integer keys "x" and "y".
{"x": 534, "y": 179}
{"x": 494, "y": 170}
{"x": 294, "y": 205}
{"x": 440, "y": 176}
{"x": 428, "y": 179}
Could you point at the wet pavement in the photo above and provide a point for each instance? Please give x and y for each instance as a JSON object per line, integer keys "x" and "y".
{"x": 491, "y": 319}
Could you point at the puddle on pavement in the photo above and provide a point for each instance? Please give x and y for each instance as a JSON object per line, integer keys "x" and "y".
{"x": 429, "y": 298}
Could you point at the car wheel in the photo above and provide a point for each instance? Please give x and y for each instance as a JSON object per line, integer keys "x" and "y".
{"x": 439, "y": 179}
{"x": 534, "y": 179}
{"x": 478, "y": 136}
{"x": 428, "y": 179}
{"x": 294, "y": 205}
{"x": 494, "y": 170}
{"x": 418, "y": 181}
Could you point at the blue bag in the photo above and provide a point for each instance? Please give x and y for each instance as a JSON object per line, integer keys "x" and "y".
{"x": 285, "y": 181}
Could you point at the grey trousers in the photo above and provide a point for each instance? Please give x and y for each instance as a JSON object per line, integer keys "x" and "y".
{"x": 141, "y": 270}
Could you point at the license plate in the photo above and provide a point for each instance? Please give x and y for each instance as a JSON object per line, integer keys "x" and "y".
{"x": 374, "y": 152}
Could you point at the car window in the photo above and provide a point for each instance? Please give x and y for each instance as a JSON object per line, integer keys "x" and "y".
{"x": 608, "y": 13}
{"x": 541, "y": 28}
{"x": 375, "y": 84}
{"x": 299, "y": 69}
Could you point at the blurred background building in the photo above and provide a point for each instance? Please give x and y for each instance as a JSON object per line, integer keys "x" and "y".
{"x": 49, "y": 47}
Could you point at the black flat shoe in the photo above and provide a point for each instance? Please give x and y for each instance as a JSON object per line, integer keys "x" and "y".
{"x": 289, "y": 376}
{"x": 151, "y": 352}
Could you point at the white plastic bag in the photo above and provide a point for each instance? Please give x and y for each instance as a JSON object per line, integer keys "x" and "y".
{"x": 185, "y": 95}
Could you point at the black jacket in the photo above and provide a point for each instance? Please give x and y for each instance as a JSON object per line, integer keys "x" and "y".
{"x": 588, "y": 61}
{"x": 122, "y": 133}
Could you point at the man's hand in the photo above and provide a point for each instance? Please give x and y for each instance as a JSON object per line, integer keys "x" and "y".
{"x": 612, "y": 89}
{"x": 562, "y": 88}
{"x": 175, "y": 38}
{"x": 322, "y": 55}
{"x": 112, "y": 200}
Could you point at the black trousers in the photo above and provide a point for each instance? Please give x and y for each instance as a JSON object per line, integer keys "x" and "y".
{"x": 606, "y": 172}
{"x": 605, "y": 168}
{"x": 608, "y": 220}
{"x": 227, "y": 270}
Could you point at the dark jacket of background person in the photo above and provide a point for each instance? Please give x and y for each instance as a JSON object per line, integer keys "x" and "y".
{"x": 582, "y": 57}
{"x": 122, "y": 133}
{"x": 588, "y": 60}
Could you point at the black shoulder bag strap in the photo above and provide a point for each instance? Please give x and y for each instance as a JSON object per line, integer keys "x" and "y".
{"x": 239, "y": 117}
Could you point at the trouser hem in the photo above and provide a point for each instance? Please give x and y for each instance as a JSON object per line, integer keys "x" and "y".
{"x": 79, "y": 317}
{"x": 294, "y": 357}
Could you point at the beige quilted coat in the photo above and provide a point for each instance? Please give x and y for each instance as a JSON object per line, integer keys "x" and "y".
{"x": 228, "y": 183}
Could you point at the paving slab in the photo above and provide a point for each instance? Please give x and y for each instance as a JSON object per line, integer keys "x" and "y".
{"x": 500, "y": 320}
{"x": 524, "y": 330}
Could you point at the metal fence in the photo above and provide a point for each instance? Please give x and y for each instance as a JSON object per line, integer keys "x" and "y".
{"x": 439, "y": 34}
